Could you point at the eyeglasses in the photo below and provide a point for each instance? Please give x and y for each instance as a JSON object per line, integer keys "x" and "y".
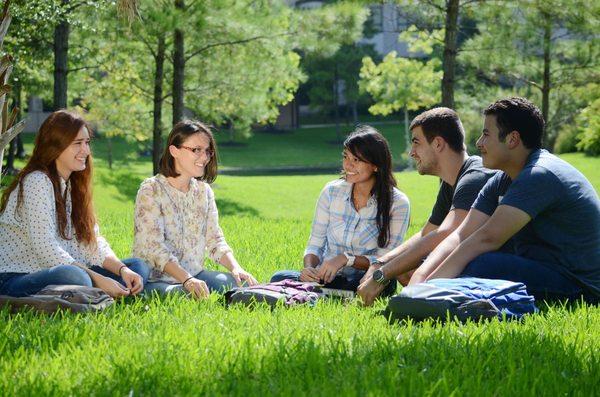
{"x": 198, "y": 151}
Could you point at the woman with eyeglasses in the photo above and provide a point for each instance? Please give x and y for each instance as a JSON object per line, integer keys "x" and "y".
{"x": 176, "y": 219}
{"x": 358, "y": 217}
{"x": 48, "y": 230}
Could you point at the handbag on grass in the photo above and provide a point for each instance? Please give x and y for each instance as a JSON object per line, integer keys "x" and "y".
{"x": 462, "y": 298}
{"x": 77, "y": 298}
{"x": 288, "y": 292}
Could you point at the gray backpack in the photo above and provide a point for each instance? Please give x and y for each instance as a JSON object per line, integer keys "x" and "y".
{"x": 77, "y": 298}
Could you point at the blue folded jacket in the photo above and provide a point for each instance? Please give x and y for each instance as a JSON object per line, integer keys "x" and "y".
{"x": 462, "y": 298}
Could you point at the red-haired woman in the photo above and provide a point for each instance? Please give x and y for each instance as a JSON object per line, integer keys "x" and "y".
{"x": 48, "y": 231}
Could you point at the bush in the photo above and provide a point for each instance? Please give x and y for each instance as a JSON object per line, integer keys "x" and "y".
{"x": 472, "y": 121}
{"x": 589, "y": 121}
{"x": 567, "y": 139}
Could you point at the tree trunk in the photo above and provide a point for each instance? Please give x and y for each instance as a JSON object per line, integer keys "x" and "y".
{"x": 450, "y": 50}
{"x": 336, "y": 106}
{"x": 546, "y": 86}
{"x": 409, "y": 164}
{"x": 158, "y": 99}
{"x": 61, "y": 53}
{"x": 12, "y": 149}
{"x": 178, "y": 71}
{"x": 109, "y": 151}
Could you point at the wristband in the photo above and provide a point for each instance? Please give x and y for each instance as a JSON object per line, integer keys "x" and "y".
{"x": 186, "y": 280}
{"x": 349, "y": 259}
{"x": 121, "y": 268}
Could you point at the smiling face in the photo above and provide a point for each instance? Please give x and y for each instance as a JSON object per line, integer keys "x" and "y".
{"x": 357, "y": 170}
{"x": 494, "y": 152}
{"x": 74, "y": 157}
{"x": 192, "y": 156}
{"x": 423, "y": 153}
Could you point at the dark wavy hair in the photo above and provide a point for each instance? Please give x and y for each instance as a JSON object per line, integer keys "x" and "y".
{"x": 367, "y": 144}
{"x": 55, "y": 135}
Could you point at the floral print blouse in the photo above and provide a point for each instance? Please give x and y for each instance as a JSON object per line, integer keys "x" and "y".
{"x": 171, "y": 225}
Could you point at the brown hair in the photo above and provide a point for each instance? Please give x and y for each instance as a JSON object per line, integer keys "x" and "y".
{"x": 443, "y": 122}
{"x": 180, "y": 132}
{"x": 55, "y": 135}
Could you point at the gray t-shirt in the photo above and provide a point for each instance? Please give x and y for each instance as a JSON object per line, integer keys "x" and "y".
{"x": 471, "y": 178}
{"x": 564, "y": 231}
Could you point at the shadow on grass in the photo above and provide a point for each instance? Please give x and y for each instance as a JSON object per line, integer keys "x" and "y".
{"x": 127, "y": 184}
{"x": 447, "y": 364}
{"x": 228, "y": 207}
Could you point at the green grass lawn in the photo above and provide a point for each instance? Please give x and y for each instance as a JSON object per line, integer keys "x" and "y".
{"x": 183, "y": 347}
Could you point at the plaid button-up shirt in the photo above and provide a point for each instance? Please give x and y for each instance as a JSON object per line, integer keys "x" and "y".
{"x": 338, "y": 227}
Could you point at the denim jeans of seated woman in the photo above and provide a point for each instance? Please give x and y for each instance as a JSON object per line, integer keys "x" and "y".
{"x": 215, "y": 281}
{"x": 23, "y": 284}
{"x": 348, "y": 278}
{"x": 541, "y": 280}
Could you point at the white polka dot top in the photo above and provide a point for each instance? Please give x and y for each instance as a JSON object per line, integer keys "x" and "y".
{"x": 30, "y": 240}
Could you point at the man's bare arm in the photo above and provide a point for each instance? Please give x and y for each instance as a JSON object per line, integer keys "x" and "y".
{"x": 503, "y": 224}
{"x": 409, "y": 255}
{"x": 474, "y": 220}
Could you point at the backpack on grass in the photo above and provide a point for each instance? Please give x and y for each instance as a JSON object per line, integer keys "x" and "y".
{"x": 461, "y": 298}
{"x": 77, "y": 298}
{"x": 287, "y": 291}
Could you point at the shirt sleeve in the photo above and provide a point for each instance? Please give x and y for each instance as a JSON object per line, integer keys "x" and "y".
{"x": 534, "y": 190}
{"x": 399, "y": 223}
{"x": 442, "y": 204}
{"x": 38, "y": 214}
{"x": 487, "y": 199}
{"x": 468, "y": 188}
{"x": 215, "y": 240}
{"x": 318, "y": 233}
{"x": 104, "y": 249}
{"x": 149, "y": 229}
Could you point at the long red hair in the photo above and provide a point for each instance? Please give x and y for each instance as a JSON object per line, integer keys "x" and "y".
{"x": 56, "y": 133}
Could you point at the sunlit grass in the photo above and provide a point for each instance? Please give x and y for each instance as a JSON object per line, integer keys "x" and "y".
{"x": 181, "y": 347}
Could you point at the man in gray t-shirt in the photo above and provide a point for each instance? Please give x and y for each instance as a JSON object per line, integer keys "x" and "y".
{"x": 438, "y": 149}
{"x": 548, "y": 208}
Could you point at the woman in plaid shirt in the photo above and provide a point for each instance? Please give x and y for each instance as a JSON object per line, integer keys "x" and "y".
{"x": 358, "y": 218}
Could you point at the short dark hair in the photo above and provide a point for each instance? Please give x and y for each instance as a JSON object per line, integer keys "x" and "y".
{"x": 518, "y": 114}
{"x": 443, "y": 122}
{"x": 180, "y": 132}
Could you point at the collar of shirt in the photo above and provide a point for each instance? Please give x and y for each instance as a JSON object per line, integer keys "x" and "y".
{"x": 193, "y": 187}
{"x": 63, "y": 185}
{"x": 348, "y": 197}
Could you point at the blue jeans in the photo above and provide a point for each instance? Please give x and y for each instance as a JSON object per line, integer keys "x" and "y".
{"x": 215, "y": 281}
{"x": 541, "y": 280}
{"x": 348, "y": 278}
{"x": 23, "y": 284}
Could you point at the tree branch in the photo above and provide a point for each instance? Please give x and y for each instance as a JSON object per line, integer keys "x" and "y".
{"x": 83, "y": 68}
{"x": 433, "y": 4}
{"x": 233, "y": 42}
